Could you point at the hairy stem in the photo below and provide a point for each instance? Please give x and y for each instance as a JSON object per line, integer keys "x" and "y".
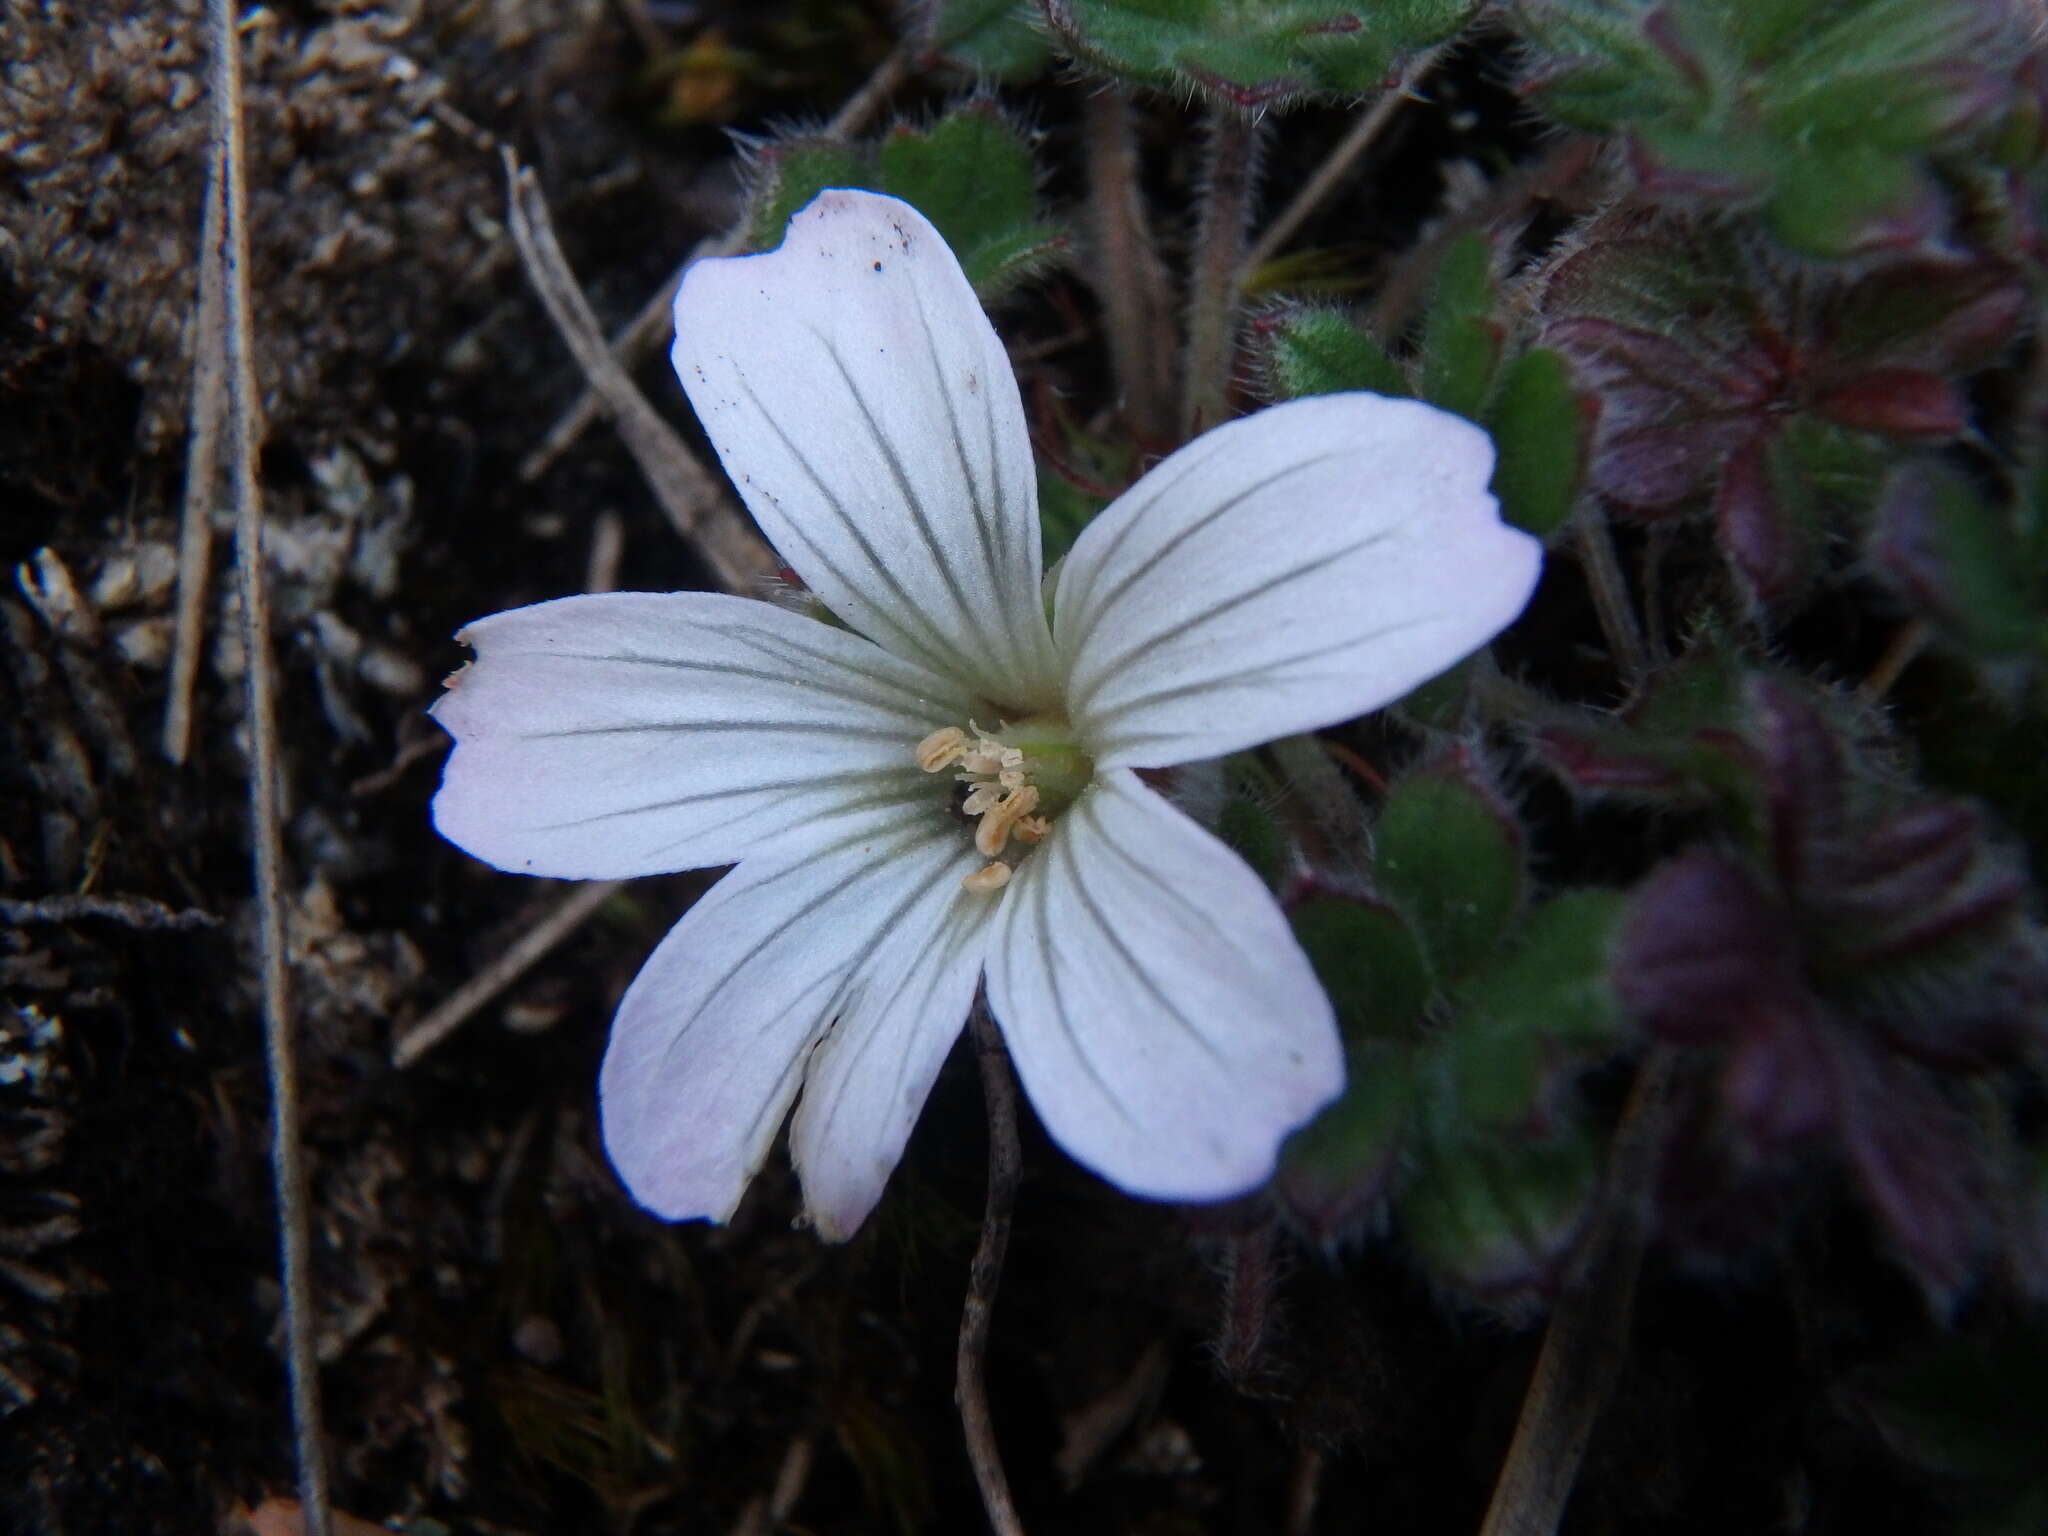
{"x": 1229, "y": 176}
{"x": 970, "y": 1390}
{"x": 1126, "y": 272}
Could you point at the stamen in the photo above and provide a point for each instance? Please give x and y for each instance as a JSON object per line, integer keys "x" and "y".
{"x": 981, "y": 798}
{"x": 984, "y": 882}
{"x": 942, "y": 749}
{"x": 1030, "y": 829}
{"x": 996, "y": 823}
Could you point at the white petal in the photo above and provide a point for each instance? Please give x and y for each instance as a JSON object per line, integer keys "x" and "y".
{"x": 711, "y": 1039}
{"x": 1284, "y": 572}
{"x": 865, "y": 410}
{"x": 638, "y": 732}
{"x": 901, "y": 1013}
{"x": 1166, "y": 1025}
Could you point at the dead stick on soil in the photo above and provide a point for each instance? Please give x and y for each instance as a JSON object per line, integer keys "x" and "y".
{"x": 515, "y": 962}
{"x": 287, "y": 1166}
{"x": 1230, "y": 172}
{"x": 1587, "y": 1340}
{"x": 202, "y": 471}
{"x": 690, "y": 494}
{"x": 1338, "y": 163}
{"x": 970, "y": 1383}
{"x": 639, "y": 334}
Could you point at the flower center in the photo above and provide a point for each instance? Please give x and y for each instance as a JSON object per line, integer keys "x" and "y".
{"x": 1017, "y": 782}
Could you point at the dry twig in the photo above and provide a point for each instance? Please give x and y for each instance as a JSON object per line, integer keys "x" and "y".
{"x": 1587, "y": 1340}
{"x": 689, "y": 493}
{"x": 970, "y": 1384}
{"x": 1609, "y": 587}
{"x": 130, "y": 911}
{"x": 1338, "y": 163}
{"x": 238, "y": 367}
{"x": 561, "y": 921}
{"x": 202, "y": 471}
{"x": 639, "y": 334}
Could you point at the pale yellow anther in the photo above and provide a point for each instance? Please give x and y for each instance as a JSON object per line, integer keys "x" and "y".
{"x": 994, "y": 831}
{"x": 1030, "y": 829}
{"x": 985, "y": 881}
{"x": 982, "y": 797}
{"x": 942, "y": 749}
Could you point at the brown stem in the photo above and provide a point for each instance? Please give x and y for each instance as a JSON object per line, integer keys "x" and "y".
{"x": 970, "y": 1391}
{"x": 243, "y": 438}
{"x": 1338, "y": 163}
{"x": 639, "y": 335}
{"x": 1587, "y": 1340}
{"x": 1213, "y": 293}
{"x": 1127, "y": 274}
{"x": 1610, "y": 592}
{"x": 202, "y": 471}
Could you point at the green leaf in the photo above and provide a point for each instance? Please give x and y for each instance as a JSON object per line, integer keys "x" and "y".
{"x": 1540, "y": 436}
{"x": 1247, "y": 821}
{"x": 1833, "y": 202}
{"x": 1368, "y": 960}
{"x": 1442, "y": 703}
{"x": 1461, "y": 341}
{"x": 1954, "y": 556}
{"x": 1253, "y": 55}
{"x": 1551, "y": 992}
{"x": 1450, "y": 856}
{"x": 972, "y": 175}
{"x": 793, "y": 173}
{"x": 1498, "y": 1216}
{"x": 1334, "y": 1168}
{"x": 1321, "y": 352}
{"x": 1001, "y": 39}
{"x": 1064, "y": 509}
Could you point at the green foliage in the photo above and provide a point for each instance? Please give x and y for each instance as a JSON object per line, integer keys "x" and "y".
{"x": 1461, "y": 341}
{"x": 1824, "y": 113}
{"x": 1369, "y": 961}
{"x": 1954, "y": 556}
{"x": 1321, "y": 352}
{"x": 971, "y": 173}
{"x": 1496, "y": 1215}
{"x": 1002, "y": 39}
{"x": 1336, "y": 1166}
{"x": 1450, "y": 857}
{"x": 1539, "y": 436}
{"x": 1970, "y": 1410}
{"x": 1551, "y": 988}
{"x": 791, "y": 175}
{"x": 1253, "y": 53}
{"x": 1540, "y": 422}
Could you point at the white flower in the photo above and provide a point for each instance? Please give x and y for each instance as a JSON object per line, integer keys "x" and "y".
{"x": 946, "y": 791}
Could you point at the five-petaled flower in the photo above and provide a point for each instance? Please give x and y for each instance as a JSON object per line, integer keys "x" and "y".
{"x": 942, "y": 789}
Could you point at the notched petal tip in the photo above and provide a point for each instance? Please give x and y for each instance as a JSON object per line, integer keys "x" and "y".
{"x": 865, "y": 410}
{"x": 1289, "y": 570}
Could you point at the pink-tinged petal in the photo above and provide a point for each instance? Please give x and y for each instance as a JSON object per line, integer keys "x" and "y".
{"x": 1286, "y": 571}
{"x": 865, "y": 410}
{"x": 634, "y": 733}
{"x": 1165, "y": 1024}
{"x": 871, "y": 1074}
{"x": 711, "y": 1040}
